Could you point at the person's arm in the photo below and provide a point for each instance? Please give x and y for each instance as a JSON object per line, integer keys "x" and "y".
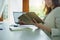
{"x": 54, "y": 31}
{"x": 41, "y": 26}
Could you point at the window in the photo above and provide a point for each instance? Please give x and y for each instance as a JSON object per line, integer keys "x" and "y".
{"x": 5, "y": 10}
{"x": 14, "y": 6}
{"x": 37, "y": 6}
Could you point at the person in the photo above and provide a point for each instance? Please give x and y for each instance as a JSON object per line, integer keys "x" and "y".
{"x": 52, "y": 22}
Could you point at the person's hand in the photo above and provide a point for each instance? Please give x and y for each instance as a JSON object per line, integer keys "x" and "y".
{"x": 35, "y": 23}
{"x": 21, "y": 22}
{"x": 39, "y": 25}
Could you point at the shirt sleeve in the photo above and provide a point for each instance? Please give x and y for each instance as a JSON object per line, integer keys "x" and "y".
{"x": 55, "y": 32}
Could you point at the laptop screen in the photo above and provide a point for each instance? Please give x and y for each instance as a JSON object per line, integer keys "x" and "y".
{"x": 16, "y": 15}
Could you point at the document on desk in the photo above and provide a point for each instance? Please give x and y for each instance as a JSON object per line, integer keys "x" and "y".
{"x": 23, "y": 28}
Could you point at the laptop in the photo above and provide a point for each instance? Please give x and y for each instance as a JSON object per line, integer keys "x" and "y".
{"x": 15, "y": 16}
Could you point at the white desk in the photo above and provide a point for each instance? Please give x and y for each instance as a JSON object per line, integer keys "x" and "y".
{"x": 6, "y": 34}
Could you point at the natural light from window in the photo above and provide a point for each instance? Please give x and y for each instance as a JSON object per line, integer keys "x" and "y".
{"x": 14, "y": 6}
{"x": 37, "y": 6}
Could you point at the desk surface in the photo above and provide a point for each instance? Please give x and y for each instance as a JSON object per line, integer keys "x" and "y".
{"x": 6, "y": 34}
